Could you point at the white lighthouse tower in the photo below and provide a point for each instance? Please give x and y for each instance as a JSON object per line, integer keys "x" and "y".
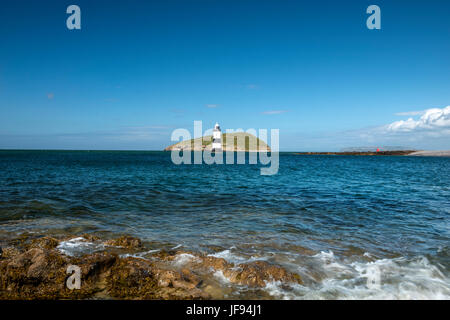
{"x": 217, "y": 138}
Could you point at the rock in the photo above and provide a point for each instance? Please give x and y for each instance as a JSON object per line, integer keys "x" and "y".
{"x": 166, "y": 255}
{"x": 131, "y": 279}
{"x": 217, "y": 263}
{"x": 34, "y": 274}
{"x": 36, "y": 264}
{"x": 25, "y": 259}
{"x": 10, "y": 252}
{"x": 254, "y": 274}
{"x": 40, "y": 273}
{"x": 44, "y": 243}
{"x": 184, "y": 279}
{"x": 90, "y": 237}
{"x": 39, "y": 265}
{"x": 94, "y": 264}
{"x": 258, "y": 273}
{"x": 125, "y": 242}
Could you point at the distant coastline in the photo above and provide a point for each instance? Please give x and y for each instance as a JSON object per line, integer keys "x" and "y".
{"x": 361, "y": 153}
{"x": 443, "y": 153}
{"x": 422, "y": 153}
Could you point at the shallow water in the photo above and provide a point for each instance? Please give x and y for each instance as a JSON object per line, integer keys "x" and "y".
{"x": 332, "y": 219}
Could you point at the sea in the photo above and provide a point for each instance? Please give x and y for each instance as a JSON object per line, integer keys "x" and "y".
{"x": 353, "y": 227}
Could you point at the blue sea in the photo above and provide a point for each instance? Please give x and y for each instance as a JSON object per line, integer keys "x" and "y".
{"x": 331, "y": 219}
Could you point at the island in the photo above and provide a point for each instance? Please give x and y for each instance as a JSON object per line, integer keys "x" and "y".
{"x": 237, "y": 141}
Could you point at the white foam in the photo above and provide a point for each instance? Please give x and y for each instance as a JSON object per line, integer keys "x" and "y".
{"x": 330, "y": 264}
{"x": 399, "y": 278}
{"x": 325, "y": 256}
{"x": 78, "y": 246}
{"x": 285, "y": 291}
{"x": 230, "y": 257}
{"x": 140, "y": 255}
{"x": 221, "y": 277}
{"x": 184, "y": 258}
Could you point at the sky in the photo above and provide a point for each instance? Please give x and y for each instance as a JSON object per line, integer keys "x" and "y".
{"x": 137, "y": 70}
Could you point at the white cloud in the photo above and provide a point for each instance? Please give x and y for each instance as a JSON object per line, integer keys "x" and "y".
{"x": 429, "y": 131}
{"x": 434, "y": 120}
{"x": 212, "y": 105}
{"x": 410, "y": 113}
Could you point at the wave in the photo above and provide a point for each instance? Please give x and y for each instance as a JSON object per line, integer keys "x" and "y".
{"x": 234, "y": 258}
{"x": 79, "y": 246}
{"x": 383, "y": 279}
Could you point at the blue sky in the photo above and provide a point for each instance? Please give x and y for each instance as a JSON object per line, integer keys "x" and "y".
{"x": 139, "y": 69}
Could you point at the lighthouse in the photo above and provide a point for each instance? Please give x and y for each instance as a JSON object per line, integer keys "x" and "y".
{"x": 217, "y": 138}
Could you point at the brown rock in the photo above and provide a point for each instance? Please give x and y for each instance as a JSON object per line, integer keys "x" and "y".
{"x": 44, "y": 243}
{"x": 95, "y": 264}
{"x": 166, "y": 278}
{"x": 40, "y": 273}
{"x": 34, "y": 274}
{"x": 256, "y": 274}
{"x": 125, "y": 242}
{"x": 90, "y": 237}
{"x": 26, "y": 258}
{"x": 39, "y": 265}
{"x": 217, "y": 263}
{"x": 166, "y": 255}
{"x": 10, "y": 252}
{"x": 132, "y": 278}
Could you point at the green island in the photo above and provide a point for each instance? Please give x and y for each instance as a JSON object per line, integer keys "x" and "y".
{"x": 237, "y": 141}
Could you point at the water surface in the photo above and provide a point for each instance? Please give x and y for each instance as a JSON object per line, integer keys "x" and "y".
{"x": 328, "y": 218}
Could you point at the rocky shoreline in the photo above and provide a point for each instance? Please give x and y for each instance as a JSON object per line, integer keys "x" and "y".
{"x": 36, "y": 268}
